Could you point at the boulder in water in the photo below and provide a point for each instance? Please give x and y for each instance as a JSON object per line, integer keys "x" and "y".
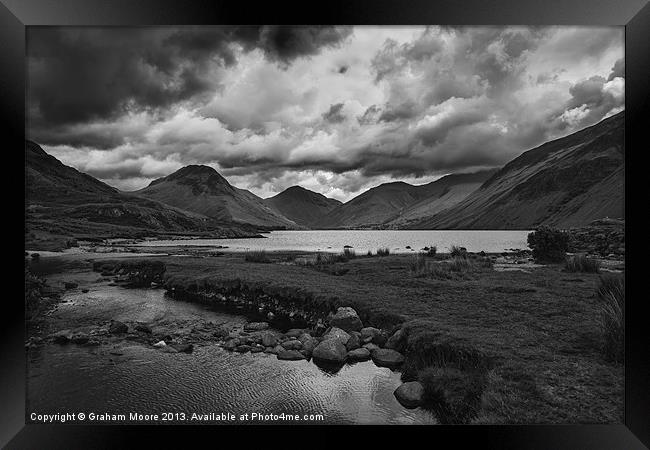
{"x": 410, "y": 394}
{"x": 359, "y": 354}
{"x": 330, "y": 351}
{"x": 347, "y": 319}
{"x": 385, "y": 357}
{"x": 337, "y": 334}
{"x": 290, "y": 355}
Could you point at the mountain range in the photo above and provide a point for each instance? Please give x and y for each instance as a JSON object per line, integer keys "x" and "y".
{"x": 567, "y": 182}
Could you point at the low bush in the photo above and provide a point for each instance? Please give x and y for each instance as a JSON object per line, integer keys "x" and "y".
{"x": 582, "y": 263}
{"x": 549, "y": 245}
{"x": 611, "y": 298}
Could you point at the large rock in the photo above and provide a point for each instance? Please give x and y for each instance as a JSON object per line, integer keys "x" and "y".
{"x": 290, "y": 355}
{"x": 292, "y": 344}
{"x": 309, "y": 346}
{"x": 256, "y": 326}
{"x": 269, "y": 339}
{"x": 410, "y": 394}
{"x": 295, "y": 332}
{"x": 346, "y": 318}
{"x": 360, "y": 354}
{"x": 397, "y": 341}
{"x": 117, "y": 327}
{"x": 330, "y": 351}
{"x": 369, "y": 333}
{"x": 353, "y": 343}
{"x": 338, "y": 335}
{"x": 385, "y": 357}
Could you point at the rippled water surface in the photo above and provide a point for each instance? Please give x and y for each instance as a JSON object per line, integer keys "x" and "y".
{"x": 364, "y": 240}
{"x": 131, "y": 377}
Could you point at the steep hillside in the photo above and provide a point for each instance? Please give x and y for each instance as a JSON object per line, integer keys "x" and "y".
{"x": 202, "y": 190}
{"x": 440, "y": 195}
{"x": 394, "y": 205}
{"x": 567, "y": 182}
{"x": 303, "y": 206}
{"x": 61, "y": 201}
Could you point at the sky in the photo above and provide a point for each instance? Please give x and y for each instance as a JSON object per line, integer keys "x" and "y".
{"x": 337, "y": 110}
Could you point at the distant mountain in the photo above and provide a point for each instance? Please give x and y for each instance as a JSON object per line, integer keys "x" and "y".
{"x": 393, "y": 205}
{"x": 202, "y": 190}
{"x": 303, "y": 206}
{"x": 60, "y": 200}
{"x": 568, "y": 182}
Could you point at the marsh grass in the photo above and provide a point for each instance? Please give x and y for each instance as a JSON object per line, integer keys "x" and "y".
{"x": 383, "y": 251}
{"x": 457, "y": 251}
{"x": 611, "y": 296}
{"x": 582, "y": 263}
{"x": 448, "y": 269}
{"x": 258, "y": 256}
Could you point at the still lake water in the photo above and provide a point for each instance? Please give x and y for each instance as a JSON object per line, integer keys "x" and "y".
{"x": 364, "y": 240}
{"x": 125, "y": 377}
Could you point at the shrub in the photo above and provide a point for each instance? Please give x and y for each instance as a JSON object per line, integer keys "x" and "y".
{"x": 457, "y": 251}
{"x": 349, "y": 253}
{"x": 582, "y": 263}
{"x": 383, "y": 251}
{"x": 369, "y": 253}
{"x": 548, "y": 244}
{"x": 258, "y": 256}
{"x": 611, "y": 296}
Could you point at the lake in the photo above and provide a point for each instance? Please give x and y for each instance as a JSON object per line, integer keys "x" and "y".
{"x": 364, "y": 240}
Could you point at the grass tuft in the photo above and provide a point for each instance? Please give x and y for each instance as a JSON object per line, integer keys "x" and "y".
{"x": 611, "y": 296}
{"x": 582, "y": 263}
{"x": 458, "y": 252}
{"x": 383, "y": 251}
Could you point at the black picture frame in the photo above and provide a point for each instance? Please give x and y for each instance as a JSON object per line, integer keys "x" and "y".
{"x": 15, "y": 15}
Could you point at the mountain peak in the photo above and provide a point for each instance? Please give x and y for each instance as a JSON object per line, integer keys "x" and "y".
{"x": 195, "y": 174}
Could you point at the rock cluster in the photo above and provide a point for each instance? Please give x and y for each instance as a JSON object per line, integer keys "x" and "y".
{"x": 345, "y": 341}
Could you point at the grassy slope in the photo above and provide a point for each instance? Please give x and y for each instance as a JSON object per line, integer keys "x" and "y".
{"x": 543, "y": 334}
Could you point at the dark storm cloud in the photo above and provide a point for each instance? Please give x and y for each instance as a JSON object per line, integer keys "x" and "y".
{"x": 618, "y": 70}
{"x": 419, "y": 102}
{"x": 406, "y": 110}
{"x": 370, "y": 115}
{"x": 334, "y": 115}
{"x": 78, "y": 75}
